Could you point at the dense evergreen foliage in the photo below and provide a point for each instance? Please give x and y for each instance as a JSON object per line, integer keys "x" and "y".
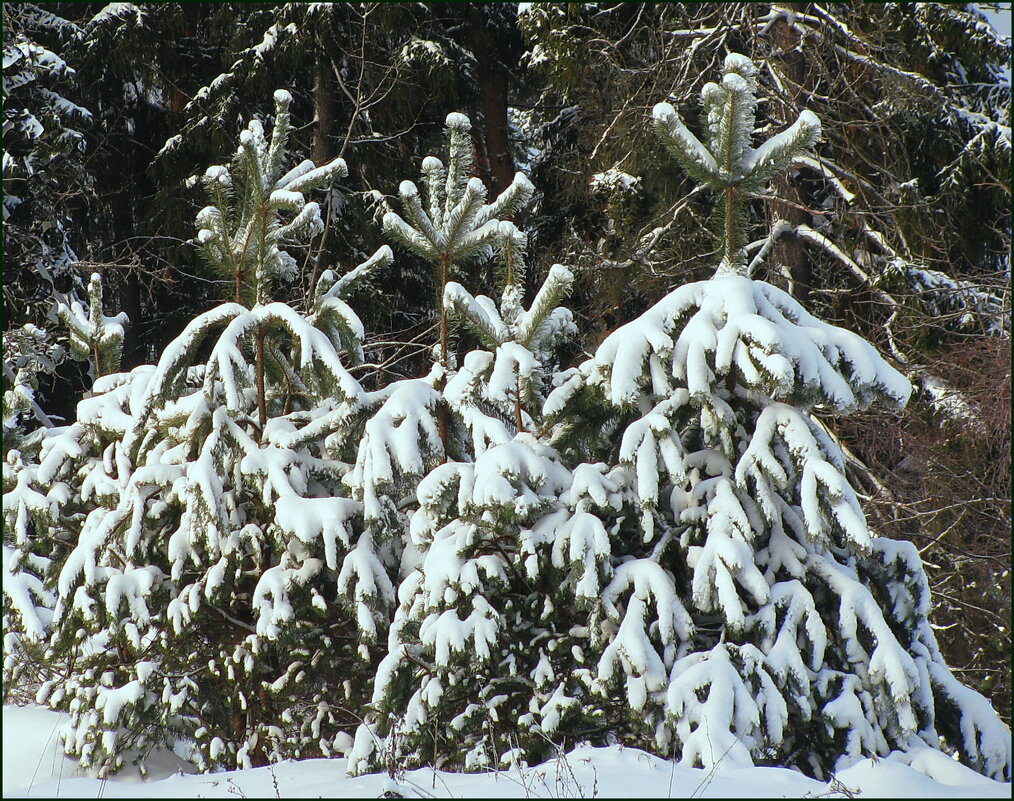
{"x": 235, "y": 509}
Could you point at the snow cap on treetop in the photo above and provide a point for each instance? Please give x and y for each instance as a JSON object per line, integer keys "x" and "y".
{"x": 663, "y": 111}
{"x": 507, "y": 228}
{"x": 734, "y": 82}
{"x": 458, "y": 121}
{"x": 562, "y": 272}
{"x": 217, "y": 172}
{"x": 810, "y": 120}
{"x": 407, "y": 189}
{"x": 282, "y": 97}
{"x": 432, "y": 164}
{"x": 738, "y": 63}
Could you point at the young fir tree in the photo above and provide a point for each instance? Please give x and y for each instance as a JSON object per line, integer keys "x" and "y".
{"x": 188, "y": 532}
{"x": 96, "y": 339}
{"x": 413, "y": 430}
{"x": 897, "y": 229}
{"x": 749, "y": 615}
{"x": 471, "y": 625}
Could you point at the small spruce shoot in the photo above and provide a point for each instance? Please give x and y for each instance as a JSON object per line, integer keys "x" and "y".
{"x": 94, "y": 337}
{"x": 456, "y": 228}
{"x": 726, "y": 162}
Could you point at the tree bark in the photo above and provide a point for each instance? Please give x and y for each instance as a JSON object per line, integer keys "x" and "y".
{"x": 492, "y": 53}
{"x": 133, "y": 351}
{"x": 325, "y": 107}
{"x": 493, "y": 89}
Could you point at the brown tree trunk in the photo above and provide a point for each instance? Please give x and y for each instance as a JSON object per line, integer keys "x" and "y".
{"x": 323, "y": 149}
{"x": 493, "y": 89}
{"x": 489, "y": 32}
{"x": 493, "y": 137}
{"x": 325, "y": 107}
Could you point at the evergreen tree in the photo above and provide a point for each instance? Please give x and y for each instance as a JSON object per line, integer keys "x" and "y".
{"x": 44, "y": 144}
{"x": 195, "y": 504}
{"x": 43, "y": 171}
{"x": 27, "y": 502}
{"x": 413, "y": 430}
{"x": 751, "y": 616}
{"x": 897, "y": 227}
{"x": 459, "y": 657}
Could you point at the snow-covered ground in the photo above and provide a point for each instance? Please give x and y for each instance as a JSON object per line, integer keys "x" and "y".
{"x": 34, "y": 766}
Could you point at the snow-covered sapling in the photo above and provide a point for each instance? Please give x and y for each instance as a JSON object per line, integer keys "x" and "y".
{"x": 210, "y": 586}
{"x": 93, "y": 335}
{"x": 456, "y": 227}
{"x": 416, "y": 427}
{"x": 471, "y": 629}
{"x": 726, "y": 162}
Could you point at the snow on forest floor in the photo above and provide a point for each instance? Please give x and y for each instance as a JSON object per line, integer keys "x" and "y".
{"x": 34, "y": 766}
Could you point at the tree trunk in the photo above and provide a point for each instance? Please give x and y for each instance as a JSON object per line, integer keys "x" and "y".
{"x": 325, "y": 108}
{"x": 133, "y": 352}
{"x": 493, "y": 89}
{"x": 492, "y": 52}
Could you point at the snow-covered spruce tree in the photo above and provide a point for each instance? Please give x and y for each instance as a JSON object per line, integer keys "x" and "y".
{"x": 751, "y": 617}
{"x": 43, "y": 161}
{"x": 467, "y": 649}
{"x": 457, "y": 228}
{"x": 96, "y": 339}
{"x": 413, "y": 431}
{"x": 209, "y": 588}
